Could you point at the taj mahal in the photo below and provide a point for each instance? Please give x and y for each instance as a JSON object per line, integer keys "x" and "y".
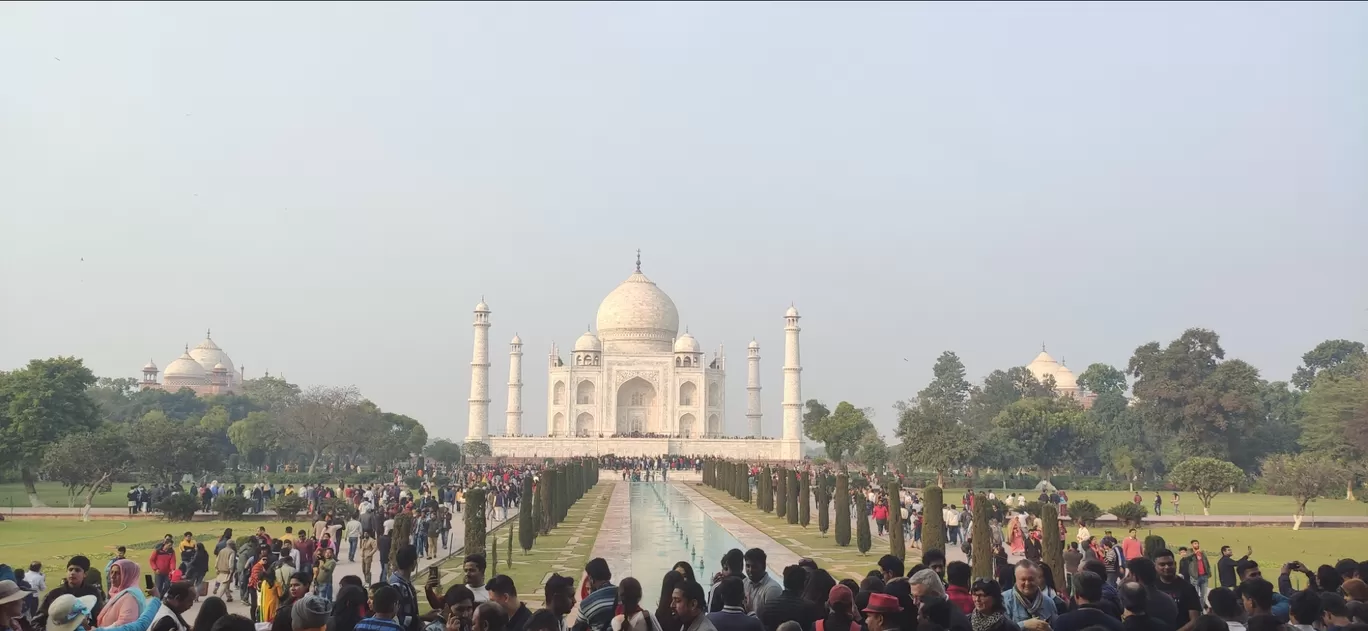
{"x": 636, "y": 387}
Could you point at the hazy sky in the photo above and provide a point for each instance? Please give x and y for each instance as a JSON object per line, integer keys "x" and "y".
{"x": 331, "y": 188}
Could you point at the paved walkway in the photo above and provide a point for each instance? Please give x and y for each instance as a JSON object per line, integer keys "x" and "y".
{"x": 614, "y": 542}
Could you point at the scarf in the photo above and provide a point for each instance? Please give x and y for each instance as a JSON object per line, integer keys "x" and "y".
{"x": 985, "y": 622}
{"x": 1031, "y": 609}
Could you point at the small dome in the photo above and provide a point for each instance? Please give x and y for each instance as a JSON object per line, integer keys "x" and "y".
{"x": 516, "y": 339}
{"x": 792, "y": 312}
{"x": 220, "y": 368}
{"x": 1043, "y": 365}
{"x": 687, "y": 344}
{"x": 482, "y": 307}
{"x": 1064, "y": 379}
{"x": 588, "y": 342}
{"x": 150, "y": 366}
{"x": 753, "y": 344}
{"x": 185, "y": 371}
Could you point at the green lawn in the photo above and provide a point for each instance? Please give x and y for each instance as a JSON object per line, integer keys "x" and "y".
{"x": 1223, "y": 504}
{"x": 53, "y": 541}
{"x": 564, "y": 550}
{"x": 1272, "y": 546}
{"x": 54, "y": 494}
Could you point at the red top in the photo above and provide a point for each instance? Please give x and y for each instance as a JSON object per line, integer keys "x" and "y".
{"x": 960, "y": 597}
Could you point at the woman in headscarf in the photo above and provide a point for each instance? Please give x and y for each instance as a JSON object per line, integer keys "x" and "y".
{"x": 126, "y": 599}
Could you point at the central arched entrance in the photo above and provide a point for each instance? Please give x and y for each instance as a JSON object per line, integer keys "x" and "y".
{"x": 636, "y": 408}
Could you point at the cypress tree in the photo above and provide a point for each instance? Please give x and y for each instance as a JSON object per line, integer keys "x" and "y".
{"x": 474, "y": 521}
{"x": 933, "y": 520}
{"x": 895, "y": 527}
{"x": 403, "y": 531}
{"x": 823, "y": 505}
{"x": 792, "y": 511}
{"x": 509, "y": 561}
{"x": 527, "y": 529}
{"x": 842, "y": 501}
{"x": 862, "y": 537}
{"x": 781, "y": 496}
{"x": 981, "y": 548}
{"x": 1051, "y": 546}
{"x": 563, "y": 496}
{"x": 494, "y": 553}
{"x": 804, "y": 500}
{"x": 746, "y": 483}
{"x": 548, "y": 516}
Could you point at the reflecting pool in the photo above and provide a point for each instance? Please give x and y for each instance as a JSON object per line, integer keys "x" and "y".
{"x": 668, "y": 528}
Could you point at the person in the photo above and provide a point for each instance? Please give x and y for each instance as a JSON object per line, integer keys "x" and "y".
{"x": 385, "y": 607}
{"x": 1305, "y": 610}
{"x": 12, "y": 607}
{"x": 1087, "y": 592}
{"x": 1072, "y": 558}
{"x": 162, "y": 562}
{"x": 406, "y": 560}
{"x": 488, "y": 617}
{"x": 1225, "y": 604}
{"x": 180, "y": 596}
{"x": 382, "y": 549}
{"x": 690, "y": 607}
{"x": 543, "y": 620}
{"x": 882, "y": 613}
{"x": 225, "y": 565}
{"x": 596, "y": 611}
{"x": 126, "y": 599}
{"x": 928, "y": 592}
{"x": 664, "y": 612}
{"x": 559, "y": 595}
{"x": 74, "y": 585}
{"x": 1334, "y": 612}
{"x": 1189, "y": 603}
{"x": 367, "y": 554}
{"x": 350, "y": 607}
{"x": 310, "y": 613}
{"x": 504, "y": 593}
{"x": 323, "y": 575}
{"x": 233, "y": 622}
{"x": 790, "y": 604}
{"x": 1158, "y": 504}
{"x": 1135, "y": 600}
{"x": 1209, "y": 622}
{"x": 840, "y": 612}
{"x": 210, "y": 611}
{"x": 1227, "y": 564}
{"x": 1025, "y": 600}
{"x": 474, "y": 568}
{"x": 35, "y": 579}
{"x": 353, "y": 537}
{"x": 818, "y": 588}
{"x": 890, "y": 567}
{"x": 1131, "y": 548}
{"x": 297, "y": 588}
{"x": 69, "y": 613}
{"x": 731, "y": 591}
{"x": 733, "y": 565}
{"x": 1158, "y": 605}
{"x": 629, "y": 615}
{"x": 760, "y": 587}
{"x": 1198, "y": 570}
{"x": 1248, "y": 571}
{"x": 957, "y": 575}
{"x": 683, "y": 567}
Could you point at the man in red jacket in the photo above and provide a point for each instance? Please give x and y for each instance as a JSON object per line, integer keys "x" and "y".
{"x": 162, "y": 562}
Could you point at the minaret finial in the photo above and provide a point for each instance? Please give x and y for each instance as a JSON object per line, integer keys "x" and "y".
{"x": 638, "y": 259}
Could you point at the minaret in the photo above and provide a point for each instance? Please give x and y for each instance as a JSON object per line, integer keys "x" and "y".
{"x": 514, "y": 387}
{"x": 753, "y": 388}
{"x": 793, "y": 394}
{"x": 477, "y": 426}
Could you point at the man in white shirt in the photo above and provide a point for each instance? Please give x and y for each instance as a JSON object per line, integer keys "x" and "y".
{"x": 388, "y": 525}
{"x": 353, "y": 537}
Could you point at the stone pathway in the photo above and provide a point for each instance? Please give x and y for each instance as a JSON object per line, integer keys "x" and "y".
{"x": 614, "y": 541}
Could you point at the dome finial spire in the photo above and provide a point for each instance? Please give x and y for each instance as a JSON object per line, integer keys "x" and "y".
{"x": 208, "y": 334}
{"x": 638, "y": 259}
{"x": 1042, "y": 347}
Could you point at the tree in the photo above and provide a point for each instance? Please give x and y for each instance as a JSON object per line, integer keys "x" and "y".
{"x": 804, "y": 499}
{"x": 1303, "y": 477}
{"x": 781, "y": 505}
{"x": 316, "y": 420}
{"x": 1052, "y": 547}
{"x": 1207, "y": 477}
{"x": 476, "y": 449}
{"x": 1102, "y": 379}
{"x": 40, "y": 403}
{"x": 981, "y": 551}
{"x": 215, "y": 420}
{"x": 444, "y": 452}
{"x": 1000, "y": 389}
{"x": 1207, "y": 404}
{"x": 863, "y": 541}
{"x": 166, "y": 449}
{"x": 839, "y": 431}
{"x": 823, "y": 492}
{"x": 527, "y": 528}
{"x": 932, "y": 437}
{"x": 255, "y": 437}
{"x": 1050, "y": 432}
{"x": 1330, "y": 356}
{"x": 87, "y": 462}
{"x": 895, "y": 529}
{"x": 475, "y": 521}
{"x": 1334, "y": 422}
{"x": 933, "y": 519}
{"x": 791, "y": 487}
{"x": 271, "y": 393}
{"x": 872, "y": 452}
{"x": 842, "y": 501}
{"x": 948, "y": 384}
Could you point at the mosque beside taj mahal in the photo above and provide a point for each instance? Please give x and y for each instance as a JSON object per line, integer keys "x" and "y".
{"x": 636, "y": 388}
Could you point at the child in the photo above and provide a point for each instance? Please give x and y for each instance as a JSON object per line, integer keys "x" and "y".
{"x": 35, "y": 579}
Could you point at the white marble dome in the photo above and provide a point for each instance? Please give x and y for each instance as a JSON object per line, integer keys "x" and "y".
{"x": 753, "y": 344}
{"x": 1044, "y": 365}
{"x": 185, "y": 371}
{"x": 687, "y": 344}
{"x": 516, "y": 339}
{"x": 209, "y": 355}
{"x": 1064, "y": 379}
{"x": 588, "y": 342}
{"x": 792, "y": 312}
{"x": 637, "y": 317}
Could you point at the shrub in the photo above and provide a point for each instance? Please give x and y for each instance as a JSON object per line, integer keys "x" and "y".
{"x": 1084, "y": 512}
{"x": 231, "y": 506}
{"x": 1129, "y": 513}
{"x": 178, "y": 507}
{"x": 413, "y": 482}
{"x": 288, "y": 507}
{"x": 337, "y": 507}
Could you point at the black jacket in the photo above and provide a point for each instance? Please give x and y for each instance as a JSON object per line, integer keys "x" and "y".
{"x": 1086, "y": 616}
{"x": 789, "y": 605}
